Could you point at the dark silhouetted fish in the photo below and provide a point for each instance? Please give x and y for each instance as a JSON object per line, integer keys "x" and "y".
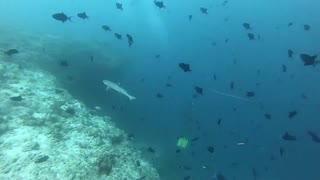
{"x": 306, "y": 27}
{"x": 309, "y": 60}
{"x": 224, "y": 3}
{"x": 204, "y": 10}
{"x": 220, "y": 176}
{"x": 290, "y": 24}
{"x": 219, "y": 121}
{"x": 106, "y": 28}
{"x": 267, "y": 116}
{"x": 159, "y": 95}
{"x": 185, "y": 67}
{"x": 16, "y": 98}
{"x": 210, "y": 149}
{"x": 250, "y": 94}
{"x": 314, "y": 137}
{"x": 186, "y": 177}
{"x": 284, "y": 68}
{"x": 195, "y": 139}
{"x": 61, "y": 17}
{"x": 292, "y": 114}
{"x": 231, "y": 85}
{"x": 251, "y": 36}
{"x": 130, "y": 40}
{"x": 118, "y": 36}
{"x": 119, "y": 6}
{"x": 64, "y": 63}
{"x": 281, "y": 151}
{"x": 11, "y": 52}
{"x": 190, "y": 17}
{"x": 157, "y": 56}
{"x": 91, "y": 58}
{"x": 199, "y": 90}
{"x": 290, "y": 53}
{"x": 246, "y": 26}
{"x": 288, "y": 137}
{"x": 83, "y": 15}
{"x": 150, "y": 149}
{"x": 159, "y": 4}
{"x": 168, "y": 85}
{"x": 178, "y": 151}
{"x": 214, "y": 77}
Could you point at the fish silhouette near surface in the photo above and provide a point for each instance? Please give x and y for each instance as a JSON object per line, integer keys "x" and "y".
{"x": 106, "y": 28}
{"x": 117, "y": 88}
{"x": 130, "y": 39}
{"x": 61, "y": 17}
{"x": 309, "y": 60}
{"x": 159, "y": 4}
{"x": 11, "y": 52}
{"x": 83, "y": 15}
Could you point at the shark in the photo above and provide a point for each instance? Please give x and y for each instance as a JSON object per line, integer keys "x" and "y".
{"x": 117, "y": 88}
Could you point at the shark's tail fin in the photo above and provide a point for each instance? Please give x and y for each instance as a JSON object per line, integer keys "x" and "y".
{"x": 132, "y": 98}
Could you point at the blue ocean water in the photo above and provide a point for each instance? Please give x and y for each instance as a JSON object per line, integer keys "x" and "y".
{"x": 217, "y": 48}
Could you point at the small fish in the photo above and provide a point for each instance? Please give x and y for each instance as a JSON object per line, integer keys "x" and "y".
{"x": 16, "y": 98}
{"x": 251, "y": 36}
{"x": 198, "y": 89}
{"x": 186, "y": 177}
{"x": 284, "y": 68}
{"x": 150, "y": 149}
{"x": 168, "y": 85}
{"x": 314, "y": 136}
{"x": 219, "y": 121}
{"x": 309, "y": 60}
{"x": 159, "y": 4}
{"x": 204, "y": 10}
{"x": 157, "y": 56}
{"x": 106, "y": 28}
{"x": 11, "y": 52}
{"x": 61, "y": 17}
{"x": 292, "y": 114}
{"x": 267, "y": 116}
{"x": 220, "y": 176}
{"x": 250, "y": 94}
{"x": 306, "y": 27}
{"x": 119, "y": 6}
{"x": 225, "y": 3}
{"x": 195, "y": 139}
{"x": 159, "y": 95}
{"x": 178, "y": 151}
{"x": 83, "y": 15}
{"x": 231, "y": 85}
{"x": 290, "y": 53}
{"x": 289, "y": 137}
{"x": 130, "y": 39}
{"x": 281, "y": 151}
{"x": 91, "y": 58}
{"x": 41, "y": 159}
{"x": 64, "y": 63}
{"x": 190, "y": 17}
{"x": 214, "y": 77}
{"x": 247, "y": 26}
{"x": 185, "y": 67}
{"x": 210, "y": 149}
{"x": 290, "y": 24}
{"x": 118, "y": 36}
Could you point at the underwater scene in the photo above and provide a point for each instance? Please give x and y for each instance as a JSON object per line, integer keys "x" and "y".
{"x": 159, "y": 89}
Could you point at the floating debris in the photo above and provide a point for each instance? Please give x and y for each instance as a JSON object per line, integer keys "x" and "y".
{"x": 130, "y": 40}
{"x": 204, "y": 10}
{"x": 118, "y": 36}
{"x": 83, "y": 15}
{"x": 246, "y": 26}
{"x": 314, "y": 136}
{"x": 185, "y": 67}
{"x": 309, "y": 60}
{"x": 106, "y": 28}
{"x": 119, "y": 6}
{"x": 159, "y": 4}
{"x": 61, "y": 17}
{"x": 199, "y": 90}
{"x": 292, "y": 114}
{"x": 289, "y": 137}
{"x": 16, "y": 98}
{"x": 11, "y": 52}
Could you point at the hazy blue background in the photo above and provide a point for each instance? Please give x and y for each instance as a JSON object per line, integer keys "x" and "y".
{"x": 158, "y": 122}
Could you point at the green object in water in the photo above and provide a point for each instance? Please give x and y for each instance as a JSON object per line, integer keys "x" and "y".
{"x": 182, "y": 142}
